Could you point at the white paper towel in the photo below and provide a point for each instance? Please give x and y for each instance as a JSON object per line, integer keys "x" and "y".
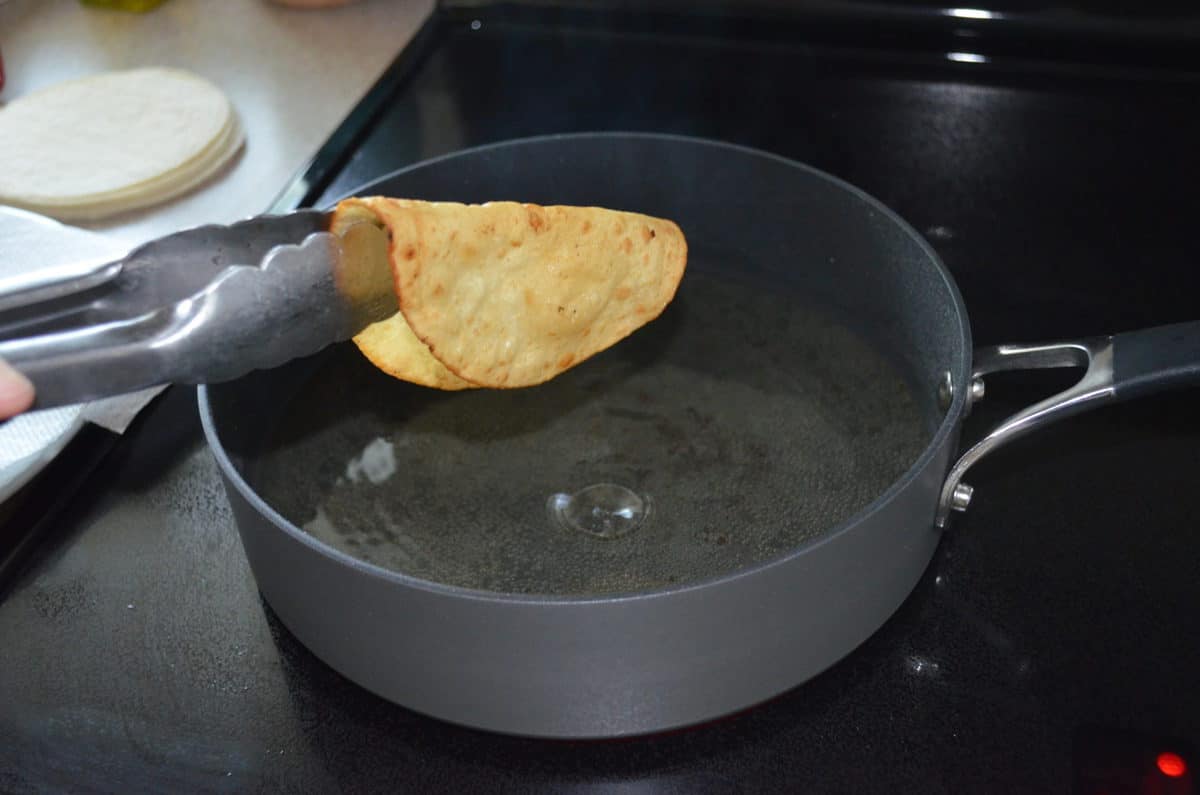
{"x": 30, "y": 242}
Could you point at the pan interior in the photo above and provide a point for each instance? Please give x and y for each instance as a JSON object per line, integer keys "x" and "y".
{"x": 737, "y": 426}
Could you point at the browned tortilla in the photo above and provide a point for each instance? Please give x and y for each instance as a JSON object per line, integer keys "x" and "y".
{"x": 510, "y": 295}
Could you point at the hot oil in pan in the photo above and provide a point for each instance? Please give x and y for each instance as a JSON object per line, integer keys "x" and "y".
{"x": 735, "y": 427}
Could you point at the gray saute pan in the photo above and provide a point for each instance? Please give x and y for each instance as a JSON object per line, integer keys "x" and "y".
{"x": 708, "y": 514}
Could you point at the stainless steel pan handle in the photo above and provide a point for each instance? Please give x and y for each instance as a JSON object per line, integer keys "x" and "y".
{"x": 1118, "y": 367}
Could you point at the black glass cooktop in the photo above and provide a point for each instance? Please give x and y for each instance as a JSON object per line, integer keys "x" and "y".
{"x": 1051, "y": 647}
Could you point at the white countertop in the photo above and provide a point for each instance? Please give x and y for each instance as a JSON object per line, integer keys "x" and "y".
{"x": 293, "y": 76}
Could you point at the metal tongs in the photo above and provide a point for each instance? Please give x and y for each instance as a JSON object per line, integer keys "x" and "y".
{"x": 201, "y": 306}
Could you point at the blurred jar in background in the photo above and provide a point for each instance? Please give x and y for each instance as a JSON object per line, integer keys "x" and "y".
{"x": 139, "y": 6}
{"x": 312, "y": 3}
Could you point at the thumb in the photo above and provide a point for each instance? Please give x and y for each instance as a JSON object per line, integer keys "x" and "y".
{"x": 16, "y": 392}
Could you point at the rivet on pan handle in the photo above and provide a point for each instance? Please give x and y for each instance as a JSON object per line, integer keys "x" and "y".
{"x": 1119, "y": 367}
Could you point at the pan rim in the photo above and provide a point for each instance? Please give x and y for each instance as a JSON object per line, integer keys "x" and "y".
{"x": 960, "y": 372}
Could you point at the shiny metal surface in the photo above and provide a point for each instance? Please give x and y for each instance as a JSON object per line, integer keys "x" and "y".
{"x": 48, "y": 284}
{"x": 1094, "y": 388}
{"x": 961, "y": 497}
{"x": 946, "y": 391}
{"x": 204, "y": 305}
{"x": 978, "y": 390}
